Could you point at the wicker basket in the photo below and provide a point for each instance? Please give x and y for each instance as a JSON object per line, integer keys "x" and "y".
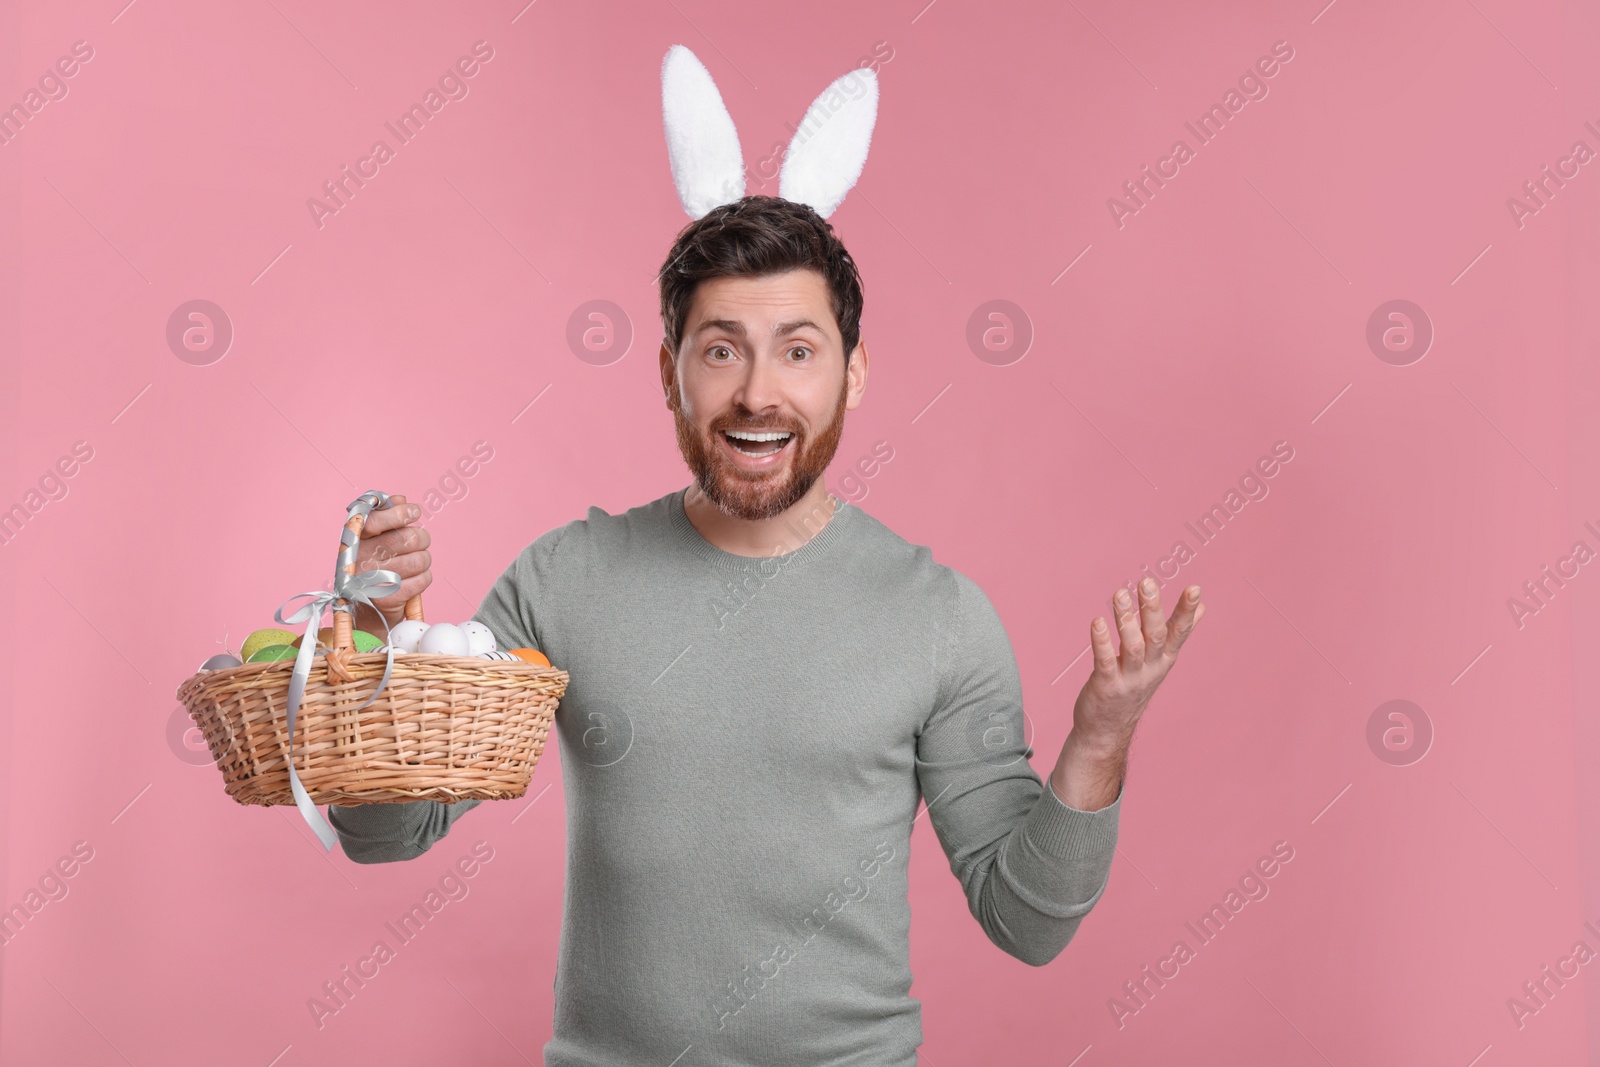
{"x": 444, "y": 728}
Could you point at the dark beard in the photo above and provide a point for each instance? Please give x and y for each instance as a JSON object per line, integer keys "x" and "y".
{"x": 754, "y": 496}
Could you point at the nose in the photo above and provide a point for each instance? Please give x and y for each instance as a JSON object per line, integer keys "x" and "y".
{"x": 759, "y": 392}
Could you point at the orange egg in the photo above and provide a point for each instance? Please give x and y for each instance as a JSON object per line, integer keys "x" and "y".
{"x": 531, "y": 655}
{"x": 324, "y": 637}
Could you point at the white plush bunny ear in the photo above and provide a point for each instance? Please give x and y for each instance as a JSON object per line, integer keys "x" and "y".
{"x": 703, "y": 145}
{"x": 830, "y": 147}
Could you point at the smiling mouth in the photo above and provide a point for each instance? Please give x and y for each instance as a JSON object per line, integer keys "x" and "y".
{"x": 758, "y": 443}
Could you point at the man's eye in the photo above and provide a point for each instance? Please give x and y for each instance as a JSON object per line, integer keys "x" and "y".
{"x": 804, "y": 351}
{"x": 720, "y": 348}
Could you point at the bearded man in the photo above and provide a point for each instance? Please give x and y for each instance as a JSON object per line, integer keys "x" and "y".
{"x": 766, "y": 682}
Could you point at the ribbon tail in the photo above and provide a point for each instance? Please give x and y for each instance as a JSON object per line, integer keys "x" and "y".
{"x": 388, "y": 662}
{"x": 311, "y": 813}
{"x": 297, "y": 688}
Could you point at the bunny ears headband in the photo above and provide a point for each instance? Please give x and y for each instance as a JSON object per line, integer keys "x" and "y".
{"x": 821, "y": 165}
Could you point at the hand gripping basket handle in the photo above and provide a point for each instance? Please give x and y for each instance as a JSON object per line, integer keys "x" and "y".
{"x": 349, "y": 546}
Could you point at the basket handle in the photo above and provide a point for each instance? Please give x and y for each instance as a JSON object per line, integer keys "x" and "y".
{"x": 349, "y": 545}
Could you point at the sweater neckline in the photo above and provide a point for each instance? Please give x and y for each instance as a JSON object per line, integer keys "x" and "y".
{"x": 834, "y": 530}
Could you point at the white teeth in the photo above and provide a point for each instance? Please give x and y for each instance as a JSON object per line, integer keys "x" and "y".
{"x": 781, "y": 438}
{"x": 745, "y": 435}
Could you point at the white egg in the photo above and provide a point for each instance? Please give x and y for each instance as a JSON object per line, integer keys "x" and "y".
{"x": 444, "y": 639}
{"x": 405, "y": 634}
{"x": 479, "y": 638}
{"x": 496, "y": 655}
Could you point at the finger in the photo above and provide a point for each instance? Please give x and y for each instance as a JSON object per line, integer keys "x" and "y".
{"x": 1105, "y": 653}
{"x": 391, "y": 518}
{"x": 1188, "y": 612}
{"x": 397, "y": 515}
{"x": 1155, "y": 626}
{"x": 1128, "y": 628}
{"x": 410, "y": 564}
{"x": 385, "y": 547}
{"x": 409, "y": 587}
{"x": 405, "y": 539}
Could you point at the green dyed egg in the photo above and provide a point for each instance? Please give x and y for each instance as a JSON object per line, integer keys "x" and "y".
{"x": 262, "y": 639}
{"x": 274, "y": 653}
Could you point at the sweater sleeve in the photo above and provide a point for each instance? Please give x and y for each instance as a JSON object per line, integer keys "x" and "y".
{"x": 1031, "y": 866}
{"x": 387, "y": 833}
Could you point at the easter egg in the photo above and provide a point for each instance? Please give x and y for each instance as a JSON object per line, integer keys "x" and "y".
{"x": 261, "y": 639}
{"x": 324, "y": 638}
{"x": 479, "y": 638}
{"x": 273, "y": 653}
{"x": 443, "y": 639}
{"x": 363, "y": 641}
{"x": 219, "y": 662}
{"x": 405, "y": 634}
{"x": 531, "y": 655}
{"x": 498, "y": 655}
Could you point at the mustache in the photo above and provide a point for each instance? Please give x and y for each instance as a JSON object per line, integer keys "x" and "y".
{"x": 723, "y": 425}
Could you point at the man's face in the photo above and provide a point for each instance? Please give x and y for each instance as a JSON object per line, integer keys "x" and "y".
{"x": 761, "y": 355}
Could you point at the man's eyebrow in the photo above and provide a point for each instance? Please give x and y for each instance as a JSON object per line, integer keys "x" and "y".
{"x": 733, "y": 326}
{"x": 736, "y": 327}
{"x": 794, "y": 325}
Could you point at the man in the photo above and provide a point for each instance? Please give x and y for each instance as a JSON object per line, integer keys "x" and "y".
{"x": 765, "y": 681}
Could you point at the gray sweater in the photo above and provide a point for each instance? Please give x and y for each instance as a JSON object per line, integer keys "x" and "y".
{"x": 744, "y": 743}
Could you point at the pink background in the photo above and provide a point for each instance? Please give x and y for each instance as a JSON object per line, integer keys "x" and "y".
{"x": 1228, "y": 314}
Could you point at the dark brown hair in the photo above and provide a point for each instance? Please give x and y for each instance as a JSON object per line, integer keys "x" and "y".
{"x": 755, "y": 236}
